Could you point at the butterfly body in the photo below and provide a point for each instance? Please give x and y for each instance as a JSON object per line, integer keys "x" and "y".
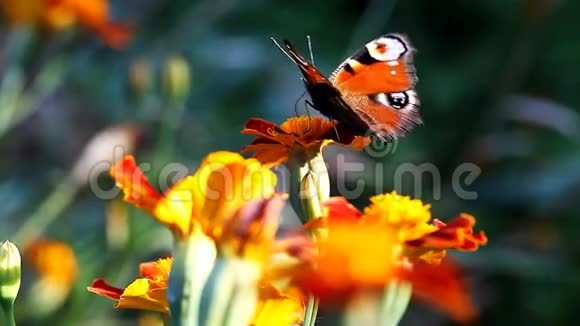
{"x": 371, "y": 92}
{"x": 328, "y": 101}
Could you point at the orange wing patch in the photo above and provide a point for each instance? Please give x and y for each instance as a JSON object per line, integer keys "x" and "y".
{"x": 392, "y": 76}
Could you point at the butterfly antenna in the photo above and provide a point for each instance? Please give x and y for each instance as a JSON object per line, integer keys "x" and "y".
{"x": 310, "y": 49}
{"x": 281, "y": 48}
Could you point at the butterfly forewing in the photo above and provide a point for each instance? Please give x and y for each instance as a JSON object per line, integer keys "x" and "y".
{"x": 383, "y": 65}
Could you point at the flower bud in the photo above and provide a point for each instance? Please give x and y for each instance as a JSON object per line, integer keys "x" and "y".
{"x": 9, "y": 277}
{"x": 141, "y": 77}
{"x": 176, "y": 78}
{"x": 314, "y": 186}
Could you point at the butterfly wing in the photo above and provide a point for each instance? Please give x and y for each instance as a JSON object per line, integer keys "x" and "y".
{"x": 377, "y": 83}
{"x": 326, "y": 98}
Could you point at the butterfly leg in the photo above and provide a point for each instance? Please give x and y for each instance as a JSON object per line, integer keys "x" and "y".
{"x": 306, "y": 104}
{"x": 298, "y": 101}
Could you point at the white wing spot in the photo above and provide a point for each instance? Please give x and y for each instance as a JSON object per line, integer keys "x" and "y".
{"x": 393, "y": 72}
{"x": 393, "y": 63}
{"x": 386, "y": 48}
{"x": 381, "y": 98}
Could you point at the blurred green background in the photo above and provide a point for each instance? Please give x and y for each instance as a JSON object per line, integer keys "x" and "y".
{"x": 499, "y": 83}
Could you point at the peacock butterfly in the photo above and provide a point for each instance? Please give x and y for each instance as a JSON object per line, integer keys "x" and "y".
{"x": 371, "y": 92}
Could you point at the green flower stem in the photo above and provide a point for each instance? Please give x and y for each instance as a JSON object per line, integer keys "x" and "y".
{"x": 311, "y": 311}
{"x": 313, "y": 191}
{"x": 396, "y": 297}
{"x": 47, "y": 212}
{"x": 193, "y": 263}
{"x": 166, "y": 319}
{"x": 16, "y": 104}
{"x": 8, "y": 307}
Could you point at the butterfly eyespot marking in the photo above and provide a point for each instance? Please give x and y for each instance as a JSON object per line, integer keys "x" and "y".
{"x": 398, "y": 100}
{"x": 386, "y": 48}
{"x": 395, "y": 100}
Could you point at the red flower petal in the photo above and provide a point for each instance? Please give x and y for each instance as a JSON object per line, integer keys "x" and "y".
{"x": 134, "y": 184}
{"x": 340, "y": 209}
{"x": 101, "y": 287}
{"x": 458, "y": 234}
{"x": 443, "y": 287}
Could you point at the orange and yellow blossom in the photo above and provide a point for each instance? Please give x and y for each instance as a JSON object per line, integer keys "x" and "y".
{"x": 150, "y": 293}
{"x": 391, "y": 239}
{"x": 307, "y": 135}
{"x": 61, "y": 14}
{"x": 56, "y": 266}
{"x": 204, "y": 202}
{"x": 229, "y": 204}
{"x": 55, "y": 262}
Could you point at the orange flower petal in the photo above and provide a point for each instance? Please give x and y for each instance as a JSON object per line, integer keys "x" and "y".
{"x": 95, "y": 15}
{"x": 114, "y": 35}
{"x": 306, "y": 134}
{"x": 458, "y": 234}
{"x": 54, "y": 261}
{"x": 262, "y": 128}
{"x": 443, "y": 287}
{"x": 156, "y": 270}
{"x": 353, "y": 256}
{"x": 175, "y": 208}
{"x": 135, "y": 185}
{"x": 338, "y": 208}
{"x": 252, "y": 231}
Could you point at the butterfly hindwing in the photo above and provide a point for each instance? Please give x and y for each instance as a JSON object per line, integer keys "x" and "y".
{"x": 388, "y": 115}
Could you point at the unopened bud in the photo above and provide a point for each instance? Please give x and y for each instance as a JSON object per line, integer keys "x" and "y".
{"x": 9, "y": 277}
{"x": 141, "y": 77}
{"x": 176, "y": 78}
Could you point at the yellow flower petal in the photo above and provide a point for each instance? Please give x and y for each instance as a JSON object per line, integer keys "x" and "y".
{"x": 407, "y": 218}
{"x": 142, "y": 294}
{"x": 278, "y": 308}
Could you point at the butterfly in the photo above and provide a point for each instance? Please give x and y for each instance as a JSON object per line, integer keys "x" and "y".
{"x": 371, "y": 92}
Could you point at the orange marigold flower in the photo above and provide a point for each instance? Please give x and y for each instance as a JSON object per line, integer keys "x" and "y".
{"x": 150, "y": 293}
{"x": 408, "y": 221}
{"x": 55, "y": 263}
{"x": 362, "y": 258}
{"x": 205, "y": 201}
{"x": 392, "y": 239}
{"x": 61, "y": 14}
{"x": 56, "y": 270}
{"x": 305, "y": 135}
{"x": 147, "y": 293}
